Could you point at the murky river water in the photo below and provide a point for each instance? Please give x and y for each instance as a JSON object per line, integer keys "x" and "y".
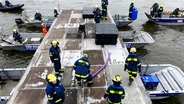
{"x": 168, "y": 47}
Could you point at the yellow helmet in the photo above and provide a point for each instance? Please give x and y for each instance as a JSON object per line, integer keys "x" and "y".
{"x": 117, "y": 78}
{"x": 156, "y": 2}
{"x": 85, "y": 55}
{"x": 161, "y": 5}
{"x": 132, "y": 1}
{"x": 55, "y": 8}
{"x": 14, "y": 30}
{"x": 96, "y": 6}
{"x": 51, "y": 78}
{"x": 133, "y": 49}
{"x": 54, "y": 42}
{"x": 37, "y": 11}
{"x": 42, "y": 24}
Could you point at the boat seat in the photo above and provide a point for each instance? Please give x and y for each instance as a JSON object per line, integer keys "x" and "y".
{"x": 163, "y": 82}
{"x": 171, "y": 81}
{"x": 174, "y": 76}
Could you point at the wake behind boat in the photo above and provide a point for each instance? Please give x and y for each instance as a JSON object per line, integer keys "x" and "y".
{"x": 162, "y": 80}
{"x": 166, "y": 19}
{"x": 11, "y": 8}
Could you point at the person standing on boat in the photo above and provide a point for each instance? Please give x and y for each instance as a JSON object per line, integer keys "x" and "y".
{"x": 131, "y": 8}
{"x": 55, "y": 91}
{"x": 82, "y": 70}
{"x": 54, "y": 52}
{"x": 132, "y": 64}
{"x": 104, "y": 4}
{"x": 155, "y": 7}
{"x": 115, "y": 92}
{"x": 160, "y": 11}
{"x": 44, "y": 29}
{"x": 55, "y": 12}
{"x": 38, "y": 15}
{"x": 7, "y": 3}
{"x": 97, "y": 14}
{"x": 17, "y": 36}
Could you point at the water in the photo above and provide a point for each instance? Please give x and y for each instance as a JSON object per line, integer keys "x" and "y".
{"x": 168, "y": 47}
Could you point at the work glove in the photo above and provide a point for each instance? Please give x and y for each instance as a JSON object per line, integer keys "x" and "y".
{"x": 125, "y": 67}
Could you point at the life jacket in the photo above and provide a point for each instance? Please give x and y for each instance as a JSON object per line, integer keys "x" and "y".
{"x": 44, "y": 31}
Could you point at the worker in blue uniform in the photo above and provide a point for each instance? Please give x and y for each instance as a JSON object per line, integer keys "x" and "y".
{"x": 154, "y": 8}
{"x": 55, "y": 12}
{"x": 160, "y": 11}
{"x": 132, "y": 64}
{"x": 176, "y": 12}
{"x": 104, "y": 4}
{"x": 131, "y": 8}
{"x": 54, "y": 52}
{"x": 82, "y": 70}
{"x": 7, "y": 3}
{"x": 38, "y": 15}
{"x": 115, "y": 92}
{"x": 54, "y": 90}
{"x": 97, "y": 14}
{"x": 17, "y": 36}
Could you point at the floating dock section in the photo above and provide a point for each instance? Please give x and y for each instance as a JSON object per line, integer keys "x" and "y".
{"x": 31, "y": 88}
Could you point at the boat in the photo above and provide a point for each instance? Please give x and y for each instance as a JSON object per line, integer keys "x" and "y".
{"x": 136, "y": 39}
{"x": 10, "y": 78}
{"x": 162, "y": 80}
{"x": 166, "y": 20}
{"x": 29, "y": 21}
{"x": 31, "y": 42}
{"x": 121, "y": 20}
{"x": 12, "y": 8}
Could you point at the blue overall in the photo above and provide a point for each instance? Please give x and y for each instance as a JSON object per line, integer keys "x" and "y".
{"x": 97, "y": 15}
{"x": 55, "y": 93}
{"x": 38, "y": 16}
{"x": 133, "y": 65}
{"x": 114, "y": 94}
{"x": 104, "y": 4}
{"x": 155, "y": 8}
{"x": 17, "y": 37}
{"x": 82, "y": 70}
{"x": 7, "y": 3}
{"x": 55, "y": 58}
{"x": 55, "y": 13}
{"x": 160, "y": 10}
{"x": 131, "y": 8}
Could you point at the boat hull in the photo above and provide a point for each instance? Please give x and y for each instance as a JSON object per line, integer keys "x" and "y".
{"x": 166, "y": 21}
{"x": 14, "y": 7}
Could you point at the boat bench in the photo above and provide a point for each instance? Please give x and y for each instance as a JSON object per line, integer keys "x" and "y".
{"x": 179, "y": 82}
{"x": 163, "y": 82}
{"x": 170, "y": 81}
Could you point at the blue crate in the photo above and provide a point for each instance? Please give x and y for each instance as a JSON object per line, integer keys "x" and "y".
{"x": 150, "y": 82}
{"x": 134, "y": 14}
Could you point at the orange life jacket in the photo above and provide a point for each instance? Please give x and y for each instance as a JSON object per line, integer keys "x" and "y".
{"x": 44, "y": 31}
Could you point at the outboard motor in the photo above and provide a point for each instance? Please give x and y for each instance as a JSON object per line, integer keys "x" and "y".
{"x": 18, "y": 21}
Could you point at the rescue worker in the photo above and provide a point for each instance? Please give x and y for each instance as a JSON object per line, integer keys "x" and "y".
{"x": 55, "y": 12}
{"x": 17, "y": 36}
{"x": 155, "y": 7}
{"x": 54, "y": 52}
{"x": 115, "y": 92}
{"x": 104, "y": 4}
{"x": 176, "y": 12}
{"x": 44, "y": 29}
{"x": 82, "y": 70}
{"x": 54, "y": 90}
{"x": 132, "y": 64}
{"x": 97, "y": 14}
{"x": 1, "y": 5}
{"x": 38, "y": 16}
{"x": 131, "y": 8}
{"x": 160, "y": 11}
{"x": 7, "y": 3}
